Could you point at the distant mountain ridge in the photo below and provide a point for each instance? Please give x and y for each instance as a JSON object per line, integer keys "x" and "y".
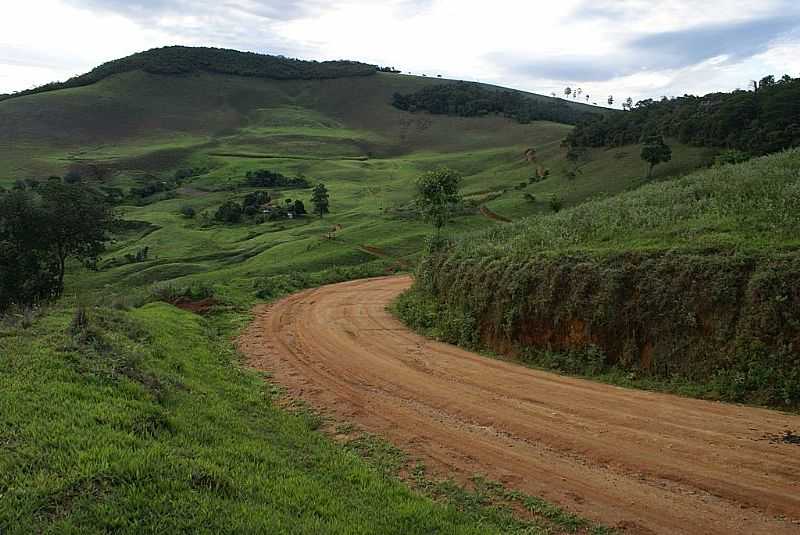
{"x": 184, "y": 60}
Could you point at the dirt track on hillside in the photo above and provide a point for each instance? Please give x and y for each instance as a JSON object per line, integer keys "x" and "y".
{"x": 646, "y": 462}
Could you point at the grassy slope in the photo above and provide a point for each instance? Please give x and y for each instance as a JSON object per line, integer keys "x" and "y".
{"x": 141, "y": 123}
{"x": 141, "y": 421}
{"x": 137, "y": 123}
{"x": 691, "y": 283}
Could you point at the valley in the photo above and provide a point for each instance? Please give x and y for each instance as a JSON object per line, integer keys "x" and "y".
{"x": 230, "y": 355}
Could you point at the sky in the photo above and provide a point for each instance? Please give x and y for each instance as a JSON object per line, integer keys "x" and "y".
{"x": 626, "y": 48}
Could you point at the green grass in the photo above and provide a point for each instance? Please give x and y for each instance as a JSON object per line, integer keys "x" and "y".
{"x": 689, "y": 284}
{"x": 747, "y": 206}
{"x": 142, "y": 421}
{"x": 149, "y": 423}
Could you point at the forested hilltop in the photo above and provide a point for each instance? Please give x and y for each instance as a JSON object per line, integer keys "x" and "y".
{"x": 763, "y": 120}
{"x": 469, "y": 99}
{"x": 183, "y": 60}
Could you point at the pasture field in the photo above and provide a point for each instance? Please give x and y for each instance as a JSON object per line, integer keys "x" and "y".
{"x": 142, "y": 418}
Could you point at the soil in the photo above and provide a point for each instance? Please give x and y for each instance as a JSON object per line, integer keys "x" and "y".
{"x": 640, "y": 461}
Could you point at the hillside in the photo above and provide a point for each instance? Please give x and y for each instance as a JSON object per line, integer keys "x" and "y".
{"x": 134, "y": 129}
{"x": 180, "y": 437}
{"x": 692, "y": 280}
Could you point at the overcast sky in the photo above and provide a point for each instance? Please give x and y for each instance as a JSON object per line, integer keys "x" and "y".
{"x": 637, "y": 48}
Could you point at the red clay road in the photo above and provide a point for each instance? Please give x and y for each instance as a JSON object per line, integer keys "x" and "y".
{"x": 642, "y": 461}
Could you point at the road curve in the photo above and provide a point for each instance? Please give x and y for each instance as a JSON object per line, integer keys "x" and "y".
{"x": 645, "y": 462}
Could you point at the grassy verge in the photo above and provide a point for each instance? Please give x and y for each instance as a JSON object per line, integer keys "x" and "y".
{"x": 757, "y": 377}
{"x": 689, "y": 285}
{"x": 142, "y": 421}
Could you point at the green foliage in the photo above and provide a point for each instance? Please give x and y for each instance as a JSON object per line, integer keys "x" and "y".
{"x": 229, "y": 212}
{"x": 320, "y": 199}
{"x": 185, "y": 60}
{"x": 438, "y": 195}
{"x": 158, "y": 429}
{"x": 41, "y": 229}
{"x": 28, "y": 267}
{"x": 264, "y": 178}
{"x": 170, "y": 293}
{"x": 556, "y": 204}
{"x": 467, "y": 99}
{"x": 759, "y": 122}
{"x": 654, "y": 152}
{"x": 662, "y": 303}
{"x": 188, "y": 211}
{"x": 731, "y": 157}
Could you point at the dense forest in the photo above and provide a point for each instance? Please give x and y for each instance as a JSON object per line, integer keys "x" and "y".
{"x": 183, "y": 60}
{"x": 763, "y": 120}
{"x": 467, "y": 99}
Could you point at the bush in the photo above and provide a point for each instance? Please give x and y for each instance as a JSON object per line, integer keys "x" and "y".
{"x": 556, "y": 204}
{"x": 230, "y": 212}
{"x": 188, "y": 212}
{"x": 173, "y": 294}
{"x": 729, "y": 157}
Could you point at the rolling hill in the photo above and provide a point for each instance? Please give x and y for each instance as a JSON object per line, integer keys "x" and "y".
{"x": 159, "y": 391}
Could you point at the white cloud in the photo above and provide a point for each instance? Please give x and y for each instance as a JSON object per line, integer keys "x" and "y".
{"x": 537, "y": 46}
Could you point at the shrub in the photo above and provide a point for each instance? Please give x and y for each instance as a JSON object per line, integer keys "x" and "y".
{"x": 188, "y": 211}
{"x": 229, "y": 212}
{"x": 556, "y": 204}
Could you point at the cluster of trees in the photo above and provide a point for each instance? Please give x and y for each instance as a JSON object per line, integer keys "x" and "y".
{"x": 259, "y": 207}
{"x": 762, "y": 120}
{"x": 151, "y": 185}
{"x": 184, "y": 60}
{"x": 40, "y": 229}
{"x": 264, "y": 178}
{"x": 467, "y": 99}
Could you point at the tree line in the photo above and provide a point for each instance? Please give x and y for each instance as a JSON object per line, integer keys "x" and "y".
{"x": 41, "y": 228}
{"x": 758, "y": 121}
{"x": 185, "y": 60}
{"x": 468, "y": 99}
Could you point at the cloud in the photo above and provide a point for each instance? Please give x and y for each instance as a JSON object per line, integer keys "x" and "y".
{"x": 148, "y": 10}
{"x": 730, "y": 43}
{"x": 635, "y": 47}
{"x": 687, "y": 47}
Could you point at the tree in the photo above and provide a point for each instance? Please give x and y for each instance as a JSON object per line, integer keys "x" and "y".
{"x": 229, "y": 212}
{"x": 299, "y": 208}
{"x": 654, "y": 152}
{"x": 28, "y": 270}
{"x": 628, "y": 104}
{"x": 78, "y": 219}
{"x": 438, "y": 193}
{"x": 320, "y": 199}
{"x": 41, "y": 229}
{"x": 556, "y": 204}
{"x": 610, "y": 100}
{"x": 567, "y": 91}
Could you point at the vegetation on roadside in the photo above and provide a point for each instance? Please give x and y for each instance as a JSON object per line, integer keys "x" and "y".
{"x": 142, "y": 420}
{"x": 710, "y": 303}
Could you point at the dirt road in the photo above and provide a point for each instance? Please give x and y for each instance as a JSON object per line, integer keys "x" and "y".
{"x": 646, "y": 462}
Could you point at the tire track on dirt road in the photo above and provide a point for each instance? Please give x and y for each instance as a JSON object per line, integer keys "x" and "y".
{"x": 642, "y": 461}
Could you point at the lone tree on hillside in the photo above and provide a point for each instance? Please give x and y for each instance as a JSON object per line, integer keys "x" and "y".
{"x": 437, "y": 195}
{"x": 40, "y": 229}
{"x": 654, "y": 152}
{"x": 79, "y": 220}
{"x": 320, "y": 199}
